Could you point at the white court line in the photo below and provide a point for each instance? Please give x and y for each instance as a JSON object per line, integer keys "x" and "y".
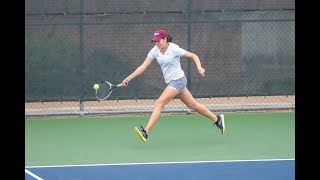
{"x": 183, "y": 162}
{"x": 33, "y": 175}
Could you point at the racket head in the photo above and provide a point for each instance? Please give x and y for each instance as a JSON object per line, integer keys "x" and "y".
{"x": 105, "y": 90}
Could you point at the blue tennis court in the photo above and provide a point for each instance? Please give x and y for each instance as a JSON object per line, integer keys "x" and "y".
{"x": 282, "y": 169}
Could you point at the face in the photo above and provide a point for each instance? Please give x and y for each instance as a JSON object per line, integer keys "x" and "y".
{"x": 162, "y": 43}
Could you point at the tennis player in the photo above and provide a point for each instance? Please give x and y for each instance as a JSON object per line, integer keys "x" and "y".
{"x": 168, "y": 56}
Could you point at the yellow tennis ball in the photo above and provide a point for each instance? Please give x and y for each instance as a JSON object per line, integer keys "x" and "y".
{"x": 96, "y": 86}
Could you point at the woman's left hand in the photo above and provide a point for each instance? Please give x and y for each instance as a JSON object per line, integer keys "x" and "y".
{"x": 201, "y": 71}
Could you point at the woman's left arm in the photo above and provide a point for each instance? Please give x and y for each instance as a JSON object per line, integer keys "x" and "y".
{"x": 196, "y": 60}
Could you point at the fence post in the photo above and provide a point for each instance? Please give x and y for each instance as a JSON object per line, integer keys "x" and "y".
{"x": 189, "y": 7}
{"x": 81, "y": 58}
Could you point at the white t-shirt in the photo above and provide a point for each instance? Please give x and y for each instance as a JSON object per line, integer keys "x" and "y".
{"x": 169, "y": 61}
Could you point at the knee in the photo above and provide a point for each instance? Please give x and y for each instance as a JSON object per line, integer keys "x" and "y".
{"x": 159, "y": 103}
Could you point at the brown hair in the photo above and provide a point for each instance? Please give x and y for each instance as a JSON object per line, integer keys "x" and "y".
{"x": 169, "y": 38}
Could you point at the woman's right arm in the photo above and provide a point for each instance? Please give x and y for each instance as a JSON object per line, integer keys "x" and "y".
{"x": 138, "y": 71}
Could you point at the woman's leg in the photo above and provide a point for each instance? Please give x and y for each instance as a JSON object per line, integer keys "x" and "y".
{"x": 187, "y": 98}
{"x": 167, "y": 95}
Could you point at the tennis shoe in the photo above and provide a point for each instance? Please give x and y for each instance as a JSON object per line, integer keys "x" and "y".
{"x": 220, "y": 123}
{"x": 142, "y": 134}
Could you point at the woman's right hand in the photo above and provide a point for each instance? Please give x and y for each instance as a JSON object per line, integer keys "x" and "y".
{"x": 125, "y": 82}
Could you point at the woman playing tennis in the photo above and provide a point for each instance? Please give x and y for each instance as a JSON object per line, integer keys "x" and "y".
{"x": 168, "y": 56}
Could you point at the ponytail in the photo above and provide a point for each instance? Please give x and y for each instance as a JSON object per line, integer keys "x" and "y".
{"x": 169, "y": 38}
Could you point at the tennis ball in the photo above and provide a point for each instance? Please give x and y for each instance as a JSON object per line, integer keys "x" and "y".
{"x": 96, "y": 86}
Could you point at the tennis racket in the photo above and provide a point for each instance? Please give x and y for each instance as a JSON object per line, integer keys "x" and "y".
{"x": 105, "y": 90}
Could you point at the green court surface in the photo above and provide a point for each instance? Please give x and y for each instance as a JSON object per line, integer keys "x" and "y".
{"x": 104, "y": 140}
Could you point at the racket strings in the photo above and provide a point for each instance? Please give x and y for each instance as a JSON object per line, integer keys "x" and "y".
{"x": 104, "y": 91}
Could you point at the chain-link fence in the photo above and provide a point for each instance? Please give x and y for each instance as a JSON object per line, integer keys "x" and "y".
{"x": 246, "y": 47}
